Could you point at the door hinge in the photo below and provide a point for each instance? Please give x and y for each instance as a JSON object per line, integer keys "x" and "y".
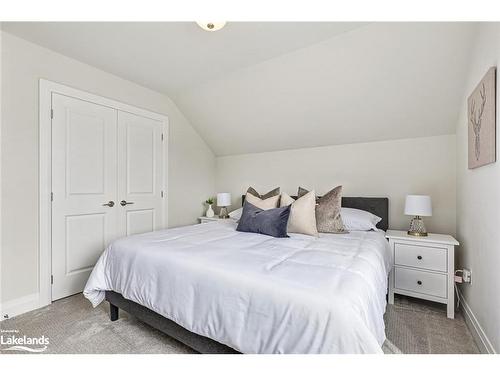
{"x": 51, "y": 279}
{"x": 52, "y": 114}
{"x": 52, "y": 197}
{"x": 162, "y": 193}
{"x": 162, "y": 137}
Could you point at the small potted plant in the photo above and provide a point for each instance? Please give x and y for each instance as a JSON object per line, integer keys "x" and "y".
{"x": 210, "y": 211}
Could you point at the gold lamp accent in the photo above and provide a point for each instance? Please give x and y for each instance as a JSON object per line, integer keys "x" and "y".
{"x": 418, "y": 205}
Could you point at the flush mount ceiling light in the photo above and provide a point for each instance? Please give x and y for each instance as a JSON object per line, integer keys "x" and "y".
{"x": 211, "y": 26}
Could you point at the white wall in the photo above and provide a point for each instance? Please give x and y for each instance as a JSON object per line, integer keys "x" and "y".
{"x": 380, "y": 169}
{"x": 478, "y": 204}
{"x": 191, "y": 162}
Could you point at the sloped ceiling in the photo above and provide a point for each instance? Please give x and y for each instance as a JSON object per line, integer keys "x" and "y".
{"x": 379, "y": 82}
{"x": 254, "y": 87}
{"x": 173, "y": 56}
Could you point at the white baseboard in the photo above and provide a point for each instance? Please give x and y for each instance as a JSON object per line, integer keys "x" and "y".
{"x": 477, "y": 331}
{"x": 19, "y": 306}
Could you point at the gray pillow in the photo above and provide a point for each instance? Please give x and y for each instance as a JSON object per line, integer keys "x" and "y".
{"x": 269, "y": 194}
{"x": 328, "y": 219}
{"x": 272, "y": 222}
{"x": 301, "y": 192}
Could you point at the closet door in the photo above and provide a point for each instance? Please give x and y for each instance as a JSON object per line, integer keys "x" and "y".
{"x": 140, "y": 174}
{"x": 84, "y": 186}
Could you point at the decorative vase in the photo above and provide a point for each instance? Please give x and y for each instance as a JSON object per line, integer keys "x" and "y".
{"x": 210, "y": 212}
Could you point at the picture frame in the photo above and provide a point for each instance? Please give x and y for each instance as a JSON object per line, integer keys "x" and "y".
{"x": 481, "y": 122}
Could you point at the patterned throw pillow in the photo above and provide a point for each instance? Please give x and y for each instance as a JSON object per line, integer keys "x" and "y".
{"x": 328, "y": 219}
{"x": 269, "y": 194}
{"x": 272, "y": 222}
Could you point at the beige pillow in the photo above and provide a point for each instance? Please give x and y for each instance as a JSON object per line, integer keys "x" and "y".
{"x": 264, "y": 204}
{"x": 302, "y": 217}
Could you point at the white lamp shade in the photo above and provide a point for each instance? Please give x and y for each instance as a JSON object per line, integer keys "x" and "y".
{"x": 223, "y": 199}
{"x": 418, "y": 205}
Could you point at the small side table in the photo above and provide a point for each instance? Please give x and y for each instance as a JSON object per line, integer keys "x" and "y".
{"x": 204, "y": 219}
{"x": 424, "y": 267}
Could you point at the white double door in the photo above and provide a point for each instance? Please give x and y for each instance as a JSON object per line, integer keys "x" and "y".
{"x": 107, "y": 179}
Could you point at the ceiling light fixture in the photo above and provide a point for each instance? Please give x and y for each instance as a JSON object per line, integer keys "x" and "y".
{"x": 211, "y": 26}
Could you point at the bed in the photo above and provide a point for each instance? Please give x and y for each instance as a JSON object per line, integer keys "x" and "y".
{"x": 219, "y": 290}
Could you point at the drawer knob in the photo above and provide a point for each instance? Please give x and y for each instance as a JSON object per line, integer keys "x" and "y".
{"x": 419, "y": 282}
{"x": 419, "y": 257}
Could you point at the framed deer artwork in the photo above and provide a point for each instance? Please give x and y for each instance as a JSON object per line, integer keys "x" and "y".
{"x": 482, "y": 121}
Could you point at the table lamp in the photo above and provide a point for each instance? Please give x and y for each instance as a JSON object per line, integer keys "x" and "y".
{"x": 418, "y": 205}
{"x": 223, "y": 201}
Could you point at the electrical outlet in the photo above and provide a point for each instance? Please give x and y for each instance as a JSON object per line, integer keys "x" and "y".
{"x": 466, "y": 276}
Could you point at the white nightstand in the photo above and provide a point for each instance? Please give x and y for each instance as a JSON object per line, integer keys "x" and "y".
{"x": 204, "y": 219}
{"x": 424, "y": 267}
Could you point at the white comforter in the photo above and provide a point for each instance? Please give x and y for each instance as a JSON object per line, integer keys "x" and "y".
{"x": 255, "y": 293}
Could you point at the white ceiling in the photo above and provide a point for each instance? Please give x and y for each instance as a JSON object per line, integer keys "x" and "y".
{"x": 254, "y": 87}
{"x": 173, "y": 56}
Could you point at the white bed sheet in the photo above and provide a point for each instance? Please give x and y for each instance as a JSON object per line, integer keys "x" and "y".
{"x": 255, "y": 293}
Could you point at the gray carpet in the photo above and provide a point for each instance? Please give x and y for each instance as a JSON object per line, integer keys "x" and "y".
{"x": 72, "y": 326}
{"x": 421, "y": 327}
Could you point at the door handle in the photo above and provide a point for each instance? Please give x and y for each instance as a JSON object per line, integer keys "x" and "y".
{"x": 109, "y": 204}
{"x": 124, "y": 203}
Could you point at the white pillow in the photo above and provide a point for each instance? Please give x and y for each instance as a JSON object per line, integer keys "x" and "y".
{"x": 302, "y": 217}
{"x": 355, "y": 219}
{"x": 263, "y": 204}
{"x": 236, "y": 214}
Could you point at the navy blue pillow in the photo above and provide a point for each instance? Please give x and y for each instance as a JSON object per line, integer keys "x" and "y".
{"x": 271, "y": 222}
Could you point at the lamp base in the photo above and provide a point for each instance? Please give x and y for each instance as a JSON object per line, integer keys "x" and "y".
{"x": 417, "y": 234}
{"x": 417, "y": 227}
{"x": 223, "y": 213}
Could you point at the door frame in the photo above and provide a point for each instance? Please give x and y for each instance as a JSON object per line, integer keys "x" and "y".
{"x": 46, "y": 89}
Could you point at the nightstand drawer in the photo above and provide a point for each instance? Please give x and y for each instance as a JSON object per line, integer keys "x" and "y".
{"x": 433, "y": 284}
{"x": 430, "y": 258}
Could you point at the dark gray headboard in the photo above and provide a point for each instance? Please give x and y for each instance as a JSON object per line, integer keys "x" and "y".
{"x": 377, "y": 206}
